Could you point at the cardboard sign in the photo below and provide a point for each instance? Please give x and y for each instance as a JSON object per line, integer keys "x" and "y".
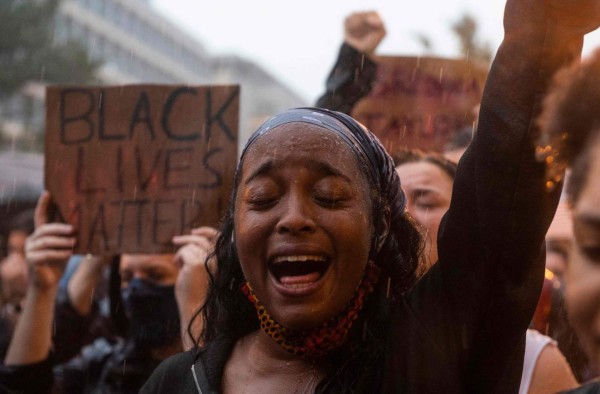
{"x": 131, "y": 166}
{"x": 420, "y": 102}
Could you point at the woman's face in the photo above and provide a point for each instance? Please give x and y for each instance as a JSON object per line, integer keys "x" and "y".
{"x": 303, "y": 225}
{"x": 428, "y": 191}
{"x": 583, "y": 274}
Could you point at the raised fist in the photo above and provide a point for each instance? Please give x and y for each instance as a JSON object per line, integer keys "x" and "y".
{"x": 364, "y": 31}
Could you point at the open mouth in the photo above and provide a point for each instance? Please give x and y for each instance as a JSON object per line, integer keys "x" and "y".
{"x": 296, "y": 272}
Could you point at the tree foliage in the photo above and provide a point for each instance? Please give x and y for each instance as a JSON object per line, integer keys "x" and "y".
{"x": 28, "y": 51}
{"x": 465, "y": 29}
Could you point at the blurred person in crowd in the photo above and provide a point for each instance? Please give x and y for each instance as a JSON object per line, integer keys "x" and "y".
{"x": 557, "y": 257}
{"x": 354, "y": 73}
{"x": 13, "y": 275}
{"x": 427, "y": 180}
{"x": 458, "y": 144}
{"x": 325, "y": 255}
{"x": 159, "y": 293}
{"x": 571, "y": 137}
{"x": 545, "y": 369}
{"x": 559, "y": 240}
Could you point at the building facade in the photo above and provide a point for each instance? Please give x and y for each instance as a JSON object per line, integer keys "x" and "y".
{"x": 135, "y": 44}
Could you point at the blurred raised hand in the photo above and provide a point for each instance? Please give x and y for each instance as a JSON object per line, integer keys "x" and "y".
{"x": 192, "y": 282}
{"x": 364, "y": 31}
{"x": 48, "y": 249}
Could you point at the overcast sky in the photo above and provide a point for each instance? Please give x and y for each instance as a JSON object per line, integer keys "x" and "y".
{"x": 298, "y": 41}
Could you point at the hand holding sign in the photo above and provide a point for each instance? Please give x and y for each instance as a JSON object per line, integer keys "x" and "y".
{"x": 191, "y": 258}
{"x": 364, "y": 31}
{"x": 48, "y": 249}
{"x": 192, "y": 281}
{"x": 131, "y": 166}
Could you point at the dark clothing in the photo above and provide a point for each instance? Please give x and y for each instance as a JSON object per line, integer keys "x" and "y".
{"x": 352, "y": 78}
{"x": 184, "y": 373}
{"x": 104, "y": 366}
{"x": 72, "y": 331}
{"x": 462, "y": 327}
{"x": 590, "y": 388}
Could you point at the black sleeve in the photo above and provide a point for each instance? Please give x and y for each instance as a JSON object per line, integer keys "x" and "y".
{"x": 174, "y": 375}
{"x": 486, "y": 285}
{"x": 351, "y": 79}
{"x": 27, "y": 379}
{"x": 72, "y": 331}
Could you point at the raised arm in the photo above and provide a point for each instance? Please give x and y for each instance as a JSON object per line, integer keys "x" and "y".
{"x": 47, "y": 251}
{"x": 491, "y": 240}
{"x": 192, "y": 281}
{"x": 354, "y": 72}
{"x": 77, "y": 317}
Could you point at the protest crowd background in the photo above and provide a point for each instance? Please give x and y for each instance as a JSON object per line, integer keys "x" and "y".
{"x": 163, "y": 221}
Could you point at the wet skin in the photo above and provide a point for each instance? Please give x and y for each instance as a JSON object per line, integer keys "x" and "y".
{"x": 302, "y": 196}
{"x": 583, "y": 273}
{"x": 428, "y": 190}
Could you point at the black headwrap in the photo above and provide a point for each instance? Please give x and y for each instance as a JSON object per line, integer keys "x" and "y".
{"x": 377, "y": 163}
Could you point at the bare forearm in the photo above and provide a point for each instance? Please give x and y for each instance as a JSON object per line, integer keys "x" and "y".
{"x": 185, "y": 317}
{"x": 32, "y": 339}
{"x": 83, "y": 283}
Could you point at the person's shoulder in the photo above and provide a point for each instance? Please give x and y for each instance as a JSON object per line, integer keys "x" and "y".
{"x": 589, "y": 388}
{"x": 179, "y": 360}
{"x": 173, "y": 375}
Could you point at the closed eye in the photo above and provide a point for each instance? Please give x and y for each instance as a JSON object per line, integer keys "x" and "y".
{"x": 262, "y": 203}
{"x": 329, "y": 202}
{"x": 332, "y": 192}
{"x": 591, "y": 252}
{"x": 261, "y": 194}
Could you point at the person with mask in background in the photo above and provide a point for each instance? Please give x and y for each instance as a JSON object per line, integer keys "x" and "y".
{"x": 158, "y": 294}
{"x": 295, "y": 303}
{"x": 13, "y": 275}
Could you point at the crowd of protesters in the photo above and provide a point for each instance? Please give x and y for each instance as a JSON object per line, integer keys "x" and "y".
{"x": 359, "y": 271}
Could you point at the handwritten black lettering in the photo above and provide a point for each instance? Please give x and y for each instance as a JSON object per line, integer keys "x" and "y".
{"x": 184, "y": 157}
{"x": 141, "y": 116}
{"x": 152, "y": 174}
{"x": 79, "y": 175}
{"x": 78, "y": 133}
{"x": 169, "y": 104}
{"x": 218, "y": 178}
{"x": 218, "y": 116}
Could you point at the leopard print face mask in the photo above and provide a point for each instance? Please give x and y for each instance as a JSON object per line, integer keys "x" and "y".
{"x": 315, "y": 343}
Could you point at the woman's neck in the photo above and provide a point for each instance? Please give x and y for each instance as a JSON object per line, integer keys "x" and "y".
{"x": 258, "y": 364}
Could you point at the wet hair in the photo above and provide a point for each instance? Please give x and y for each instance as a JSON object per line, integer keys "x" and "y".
{"x": 23, "y": 221}
{"x": 227, "y": 311}
{"x": 570, "y": 122}
{"x": 405, "y": 156}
